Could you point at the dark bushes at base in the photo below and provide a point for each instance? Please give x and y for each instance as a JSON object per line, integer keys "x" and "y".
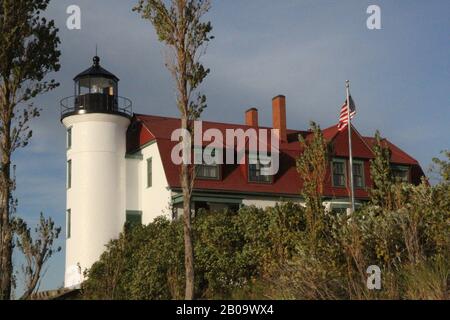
{"x": 257, "y": 253}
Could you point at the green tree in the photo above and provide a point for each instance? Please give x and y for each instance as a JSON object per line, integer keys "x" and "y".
{"x": 36, "y": 251}
{"x": 312, "y": 166}
{"x": 179, "y": 25}
{"x": 267, "y": 253}
{"x": 380, "y": 171}
{"x": 28, "y": 52}
{"x": 442, "y": 167}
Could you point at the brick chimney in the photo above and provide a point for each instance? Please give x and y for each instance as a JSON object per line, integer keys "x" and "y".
{"x": 279, "y": 115}
{"x": 251, "y": 117}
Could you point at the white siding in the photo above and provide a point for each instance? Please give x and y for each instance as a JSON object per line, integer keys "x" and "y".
{"x": 261, "y": 202}
{"x": 133, "y": 182}
{"x": 97, "y": 194}
{"x": 153, "y": 201}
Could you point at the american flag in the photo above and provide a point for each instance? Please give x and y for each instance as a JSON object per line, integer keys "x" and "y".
{"x": 343, "y": 117}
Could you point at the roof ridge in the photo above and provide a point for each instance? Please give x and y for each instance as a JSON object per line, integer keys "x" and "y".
{"x": 401, "y": 150}
{"x": 218, "y": 122}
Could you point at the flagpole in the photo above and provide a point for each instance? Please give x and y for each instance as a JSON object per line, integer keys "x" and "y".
{"x": 352, "y": 193}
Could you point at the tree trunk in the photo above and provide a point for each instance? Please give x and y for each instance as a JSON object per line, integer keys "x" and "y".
{"x": 6, "y": 230}
{"x": 188, "y": 246}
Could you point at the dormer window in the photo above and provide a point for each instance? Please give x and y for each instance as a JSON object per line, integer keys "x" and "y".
{"x": 400, "y": 173}
{"x": 358, "y": 174}
{"x": 258, "y": 169}
{"x": 339, "y": 176}
{"x": 207, "y": 170}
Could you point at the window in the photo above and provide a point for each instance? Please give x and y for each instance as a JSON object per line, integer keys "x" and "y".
{"x": 69, "y": 223}
{"x": 207, "y": 171}
{"x": 134, "y": 217}
{"x": 69, "y": 174}
{"x": 149, "y": 172}
{"x": 257, "y": 169}
{"x": 69, "y": 138}
{"x": 400, "y": 173}
{"x": 358, "y": 174}
{"x": 339, "y": 173}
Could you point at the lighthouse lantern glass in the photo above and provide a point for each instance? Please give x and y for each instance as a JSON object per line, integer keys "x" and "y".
{"x": 96, "y": 85}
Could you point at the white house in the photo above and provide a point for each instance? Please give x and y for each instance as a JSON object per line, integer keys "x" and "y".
{"x": 119, "y": 168}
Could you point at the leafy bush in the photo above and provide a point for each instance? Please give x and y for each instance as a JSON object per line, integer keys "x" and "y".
{"x": 411, "y": 245}
{"x": 272, "y": 253}
{"x": 231, "y": 251}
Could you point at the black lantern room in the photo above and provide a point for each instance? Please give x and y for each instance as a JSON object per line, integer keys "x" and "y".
{"x": 96, "y": 91}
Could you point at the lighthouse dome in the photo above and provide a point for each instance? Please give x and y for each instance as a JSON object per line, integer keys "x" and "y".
{"x": 96, "y": 91}
{"x": 96, "y": 71}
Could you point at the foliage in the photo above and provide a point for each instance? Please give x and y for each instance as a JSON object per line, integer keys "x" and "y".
{"x": 312, "y": 167}
{"x": 380, "y": 172}
{"x": 270, "y": 253}
{"x": 179, "y": 25}
{"x": 442, "y": 166}
{"x": 145, "y": 262}
{"x": 411, "y": 245}
{"x": 28, "y": 53}
{"x": 231, "y": 250}
{"x": 408, "y": 237}
{"x": 37, "y": 251}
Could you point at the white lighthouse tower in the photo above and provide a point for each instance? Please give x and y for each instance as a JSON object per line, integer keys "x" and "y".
{"x": 96, "y": 119}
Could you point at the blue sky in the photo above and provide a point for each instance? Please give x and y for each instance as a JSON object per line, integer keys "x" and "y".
{"x": 303, "y": 49}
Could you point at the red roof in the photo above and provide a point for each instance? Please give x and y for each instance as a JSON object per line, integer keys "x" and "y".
{"x": 147, "y": 128}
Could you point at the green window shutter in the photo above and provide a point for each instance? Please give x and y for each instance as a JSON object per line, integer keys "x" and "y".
{"x": 69, "y": 174}
{"x": 134, "y": 217}
{"x": 149, "y": 172}
{"x": 69, "y": 223}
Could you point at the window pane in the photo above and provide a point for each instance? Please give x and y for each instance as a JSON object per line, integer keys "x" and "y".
{"x": 338, "y": 173}
{"x": 336, "y": 180}
{"x": 69, "y": 138}
{"x": 149, "y": 172}
{"x": 255, "y": 173}
{"x": 338, "y": 168}
{"x": 400, "y": 175}
{"x": 207, "y": 171}
{"x": 358, "y": 175}
{"x": 134, "y": 217}
{"x": 69, "y": 223}
{"x": 358, "y": 181}
{"x": 69, "y": 174}
{"x": 357, "y": 169}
